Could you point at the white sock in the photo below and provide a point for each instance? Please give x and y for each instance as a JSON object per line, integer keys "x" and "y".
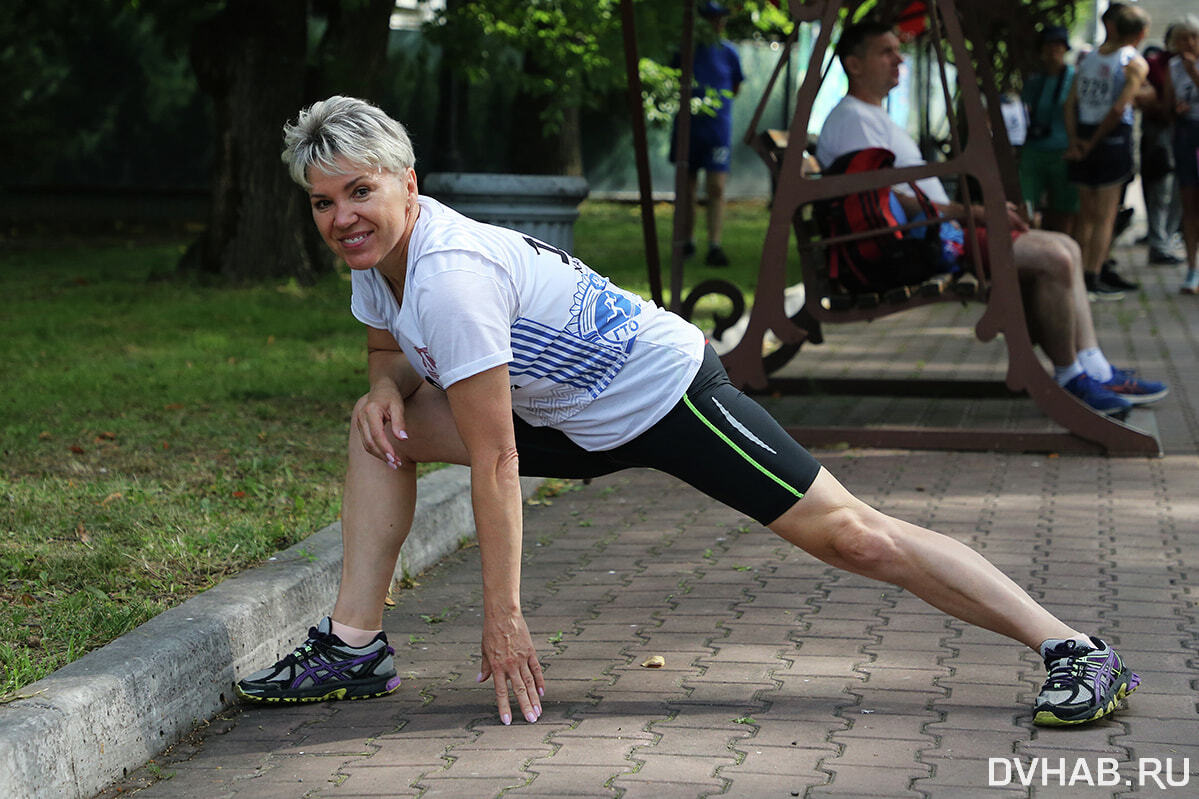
{"x": 1095, "y": 364}
{"x": 352, "y": 635}
{"x": 1064, "y": 374}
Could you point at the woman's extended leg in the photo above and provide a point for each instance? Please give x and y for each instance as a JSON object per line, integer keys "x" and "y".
{"x": 833, "y": 525}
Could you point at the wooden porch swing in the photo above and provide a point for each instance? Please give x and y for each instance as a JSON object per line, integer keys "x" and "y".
{"x": 1078, "y": 429}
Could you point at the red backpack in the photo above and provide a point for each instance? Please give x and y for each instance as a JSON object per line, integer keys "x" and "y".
{"x": 891, "y": 259}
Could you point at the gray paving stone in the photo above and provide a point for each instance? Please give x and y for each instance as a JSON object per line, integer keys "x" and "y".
{"x": 770, "y": 667}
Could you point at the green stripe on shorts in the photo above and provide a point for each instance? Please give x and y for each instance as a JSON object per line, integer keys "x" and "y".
{"x": 741, "y": 452}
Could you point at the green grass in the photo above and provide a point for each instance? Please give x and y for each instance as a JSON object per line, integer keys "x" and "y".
{"x": 158, "y": 435}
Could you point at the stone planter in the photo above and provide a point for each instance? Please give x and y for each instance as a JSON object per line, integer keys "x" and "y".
{"x": 543, "y": 206}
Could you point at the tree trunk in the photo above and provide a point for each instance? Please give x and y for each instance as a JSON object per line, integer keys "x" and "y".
{"x": 352, "y": 54}
{"x": 532, "y": 151}
{"x": 250, "y": 59}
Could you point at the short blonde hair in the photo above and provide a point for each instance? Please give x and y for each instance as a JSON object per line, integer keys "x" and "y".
{"x": 344, "y": 127}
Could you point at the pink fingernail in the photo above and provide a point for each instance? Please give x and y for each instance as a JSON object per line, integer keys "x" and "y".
{"x": 479, "y": 678}
{"x": 506, "y": 719}
{"x": 531, "y": 718}
{"x": 541, "y": 692}
{"x": 404, "y": 435}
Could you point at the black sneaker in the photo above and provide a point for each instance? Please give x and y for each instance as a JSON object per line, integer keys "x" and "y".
{"x": 716, "y": 256}
{"x": 1111, "y": 278}
{"x": 325, "y": 667}
{"x": 1097, "y": 290}
{"x": 1085, "y": 683}
{"x": 1163, "y": 258}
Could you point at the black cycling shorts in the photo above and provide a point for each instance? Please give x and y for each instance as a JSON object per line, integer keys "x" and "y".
{"x": 1109, "y": 164}
{"x": 716, "y": 439}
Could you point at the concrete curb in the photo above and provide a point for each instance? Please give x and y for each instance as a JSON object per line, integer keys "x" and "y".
{"x": 91, "y": 722}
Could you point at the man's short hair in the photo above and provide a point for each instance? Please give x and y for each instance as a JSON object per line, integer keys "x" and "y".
{"x": 853, "y": 38}
{"x": 1130, "y": 21}
{"x": 1112, "y": 10}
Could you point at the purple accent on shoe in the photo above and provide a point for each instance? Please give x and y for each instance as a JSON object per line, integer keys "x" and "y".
{"x": 331, "y": 671}
{"x": 393, "y": 684}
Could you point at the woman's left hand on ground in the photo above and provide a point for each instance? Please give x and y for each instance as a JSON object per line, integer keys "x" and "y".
{"x": 509, "y": 656}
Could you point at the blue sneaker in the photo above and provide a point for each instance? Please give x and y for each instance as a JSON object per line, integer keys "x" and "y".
{"x": 1133, "y": 389}
{"x": 1096, "y": 395}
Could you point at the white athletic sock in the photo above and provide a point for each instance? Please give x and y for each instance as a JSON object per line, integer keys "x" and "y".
{"x": 1064, "y": 374}
{"x": 1095, "y": 364}
{"x": 352, "y": 635}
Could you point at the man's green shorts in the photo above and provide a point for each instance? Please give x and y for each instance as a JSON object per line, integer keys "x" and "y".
{"x": 1043, "y": 179}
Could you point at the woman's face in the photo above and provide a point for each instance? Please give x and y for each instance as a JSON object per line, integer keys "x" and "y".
{"x": 365, "y": 216}
{"x": 1187, "y": 42}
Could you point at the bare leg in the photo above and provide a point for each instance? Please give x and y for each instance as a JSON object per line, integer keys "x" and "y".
{"x": 1097, "y": 214}
{"x": 689, "y": 208}
{"x": 1049, "y": 265}
{"x": 1190, "y": 222}
{"x": 833, "y": 525}
{"x": 379, "y": 502}
{"x": 714, "y": 183}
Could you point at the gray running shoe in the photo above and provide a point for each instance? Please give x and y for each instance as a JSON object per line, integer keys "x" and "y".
{"x": 323, "y": 668}
{"x": 1085, "y": 683}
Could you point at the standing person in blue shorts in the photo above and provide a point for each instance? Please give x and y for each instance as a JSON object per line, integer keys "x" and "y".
{"x": 1182, "y": 97}
{"x": 717, "y": 67}
{"x": 1042, "y": 167}
{"x": 1099, "y": 117}
{"x": 489, "y": 348}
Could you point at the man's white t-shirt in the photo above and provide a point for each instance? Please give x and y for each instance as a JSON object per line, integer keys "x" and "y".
{"x": 855, "y": 125}
{"x": 592, "y": 360}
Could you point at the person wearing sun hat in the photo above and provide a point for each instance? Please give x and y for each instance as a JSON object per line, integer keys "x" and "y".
{"x": 1042, "y": 166}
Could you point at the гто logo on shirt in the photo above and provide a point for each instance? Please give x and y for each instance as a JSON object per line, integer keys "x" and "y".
{"x": 604, "y": 314}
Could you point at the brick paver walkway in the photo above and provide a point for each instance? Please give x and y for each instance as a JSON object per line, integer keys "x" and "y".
{"x": 783, "y": 677}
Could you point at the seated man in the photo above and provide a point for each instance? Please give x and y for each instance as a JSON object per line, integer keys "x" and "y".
{"x": 1049, "y": 264}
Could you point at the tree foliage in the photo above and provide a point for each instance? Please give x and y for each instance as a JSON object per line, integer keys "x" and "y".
{"x": 94, "y": 94}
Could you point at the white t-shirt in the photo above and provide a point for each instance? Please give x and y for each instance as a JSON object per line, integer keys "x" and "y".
{"x": 855, "y": 125}
{"x": 1100, "y": 79}
{"x": 1185, "y": 89}
{"x": 592, "y": 360}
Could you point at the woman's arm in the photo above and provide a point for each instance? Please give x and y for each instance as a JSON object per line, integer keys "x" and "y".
{"x": 482, "y": 408}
